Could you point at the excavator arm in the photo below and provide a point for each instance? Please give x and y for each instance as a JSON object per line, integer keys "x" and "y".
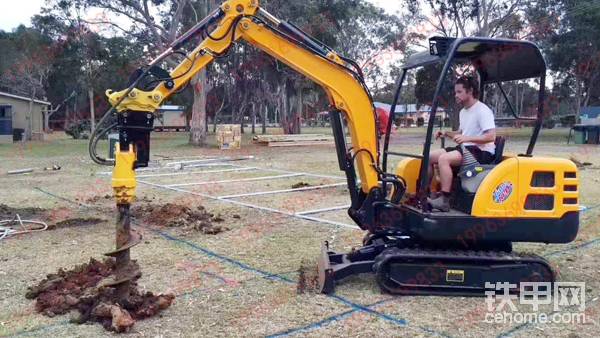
{"x": 237, "y": 20}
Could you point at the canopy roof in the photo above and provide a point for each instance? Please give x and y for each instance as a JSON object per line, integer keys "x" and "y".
{"x": 496, "y": 60}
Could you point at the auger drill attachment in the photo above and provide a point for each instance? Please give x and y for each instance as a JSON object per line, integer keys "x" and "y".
{"x": 131, "y": 152}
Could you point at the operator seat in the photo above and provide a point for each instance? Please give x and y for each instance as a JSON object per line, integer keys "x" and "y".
{"x": 470, "y": 178}
{"x": 500, "y": 142}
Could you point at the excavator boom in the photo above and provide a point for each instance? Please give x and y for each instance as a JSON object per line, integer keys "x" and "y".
{"x": 237, "y": 20}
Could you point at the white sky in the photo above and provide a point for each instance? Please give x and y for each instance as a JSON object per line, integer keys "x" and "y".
{"x": 20, "y": 12}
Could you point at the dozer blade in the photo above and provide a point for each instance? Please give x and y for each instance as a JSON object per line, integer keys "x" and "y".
{"x": 334, "y": 266}
{"x": 326, "y": 274}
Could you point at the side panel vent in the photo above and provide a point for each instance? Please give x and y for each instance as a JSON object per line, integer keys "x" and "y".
{"x": 542, "y": 179}
{"x": 570, "y": 188}
{"x": 539, "y": 202}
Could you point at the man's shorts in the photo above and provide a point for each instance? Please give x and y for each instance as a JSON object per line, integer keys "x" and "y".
{"x": 482, "y": 156}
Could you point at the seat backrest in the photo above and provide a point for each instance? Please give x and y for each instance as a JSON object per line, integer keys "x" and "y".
{"x": 500, "y": 141}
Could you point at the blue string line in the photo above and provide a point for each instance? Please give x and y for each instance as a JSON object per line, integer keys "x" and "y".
{"x": 355, "y": 307}
{"x": 212, "y": 254}
{"x": 246, "y": 267}
{"x": 519, "y": 327}
{"x": 274, "y": 276}
{"x": 323, "y": 322}
{"x": 401, "y": 322}
{"x": 577, "y": 247}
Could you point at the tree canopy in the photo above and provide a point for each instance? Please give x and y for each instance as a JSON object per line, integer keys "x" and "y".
{"x": 87, "y": 46}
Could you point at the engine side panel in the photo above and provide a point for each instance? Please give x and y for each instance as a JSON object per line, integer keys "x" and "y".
{"x": 529, "y": 187}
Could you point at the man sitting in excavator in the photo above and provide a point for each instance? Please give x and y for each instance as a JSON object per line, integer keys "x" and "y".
{"x": 476, "y": 135}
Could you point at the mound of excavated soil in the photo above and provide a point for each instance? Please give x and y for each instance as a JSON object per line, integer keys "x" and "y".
{"x": 300, "y": 185}
{"x": 98, "y": 198}
{"x": 79, "y": 290}
{"x": 55, "y": 218}
{"x": 308, "y": 278}
{"x": 180, "y": 216}
{"x": 76, "y": 222}
{"x": 7, "y": 212}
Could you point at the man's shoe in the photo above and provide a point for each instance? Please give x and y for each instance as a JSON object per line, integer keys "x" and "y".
{"x": 441, "y": 203}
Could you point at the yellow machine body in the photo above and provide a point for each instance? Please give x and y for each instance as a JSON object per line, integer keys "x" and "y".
{"x": 511, "y": 189}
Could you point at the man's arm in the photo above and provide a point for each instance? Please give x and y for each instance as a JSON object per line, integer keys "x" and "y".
{"x": 487, "y": 137}
{"x": 450, "y": 134}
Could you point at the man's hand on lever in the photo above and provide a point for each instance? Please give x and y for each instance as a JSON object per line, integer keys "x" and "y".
{"x": 450, "y": 134}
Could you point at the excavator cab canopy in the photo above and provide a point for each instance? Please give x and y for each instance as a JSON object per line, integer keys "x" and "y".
{"x": 495, "y": 61}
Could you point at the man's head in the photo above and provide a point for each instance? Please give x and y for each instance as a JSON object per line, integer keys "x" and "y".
{"x": 466, "y": 90}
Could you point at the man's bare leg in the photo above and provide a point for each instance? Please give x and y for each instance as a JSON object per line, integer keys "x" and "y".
{"x": 434, "y": 157}
{"x": 445, "y": 163}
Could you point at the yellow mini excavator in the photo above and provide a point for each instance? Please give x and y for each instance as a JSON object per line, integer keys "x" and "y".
{"x": 410, "y": 248}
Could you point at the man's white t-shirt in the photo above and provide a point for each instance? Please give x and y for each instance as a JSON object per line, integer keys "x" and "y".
{"x": 476, "y": 120}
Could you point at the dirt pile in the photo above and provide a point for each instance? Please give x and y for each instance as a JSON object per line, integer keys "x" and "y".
{"x": 300, "y": 185}
{"x": 98, "y": 198}
{"x": 76, "y": 222}
{"x": 111, "y": 199}
{"x": 80, "y": 289}
{"x": 308, "y": 278}
{"x": 56, "y": 218}
{"x": 7, "y": 212}
{"x": 180, "y": 216}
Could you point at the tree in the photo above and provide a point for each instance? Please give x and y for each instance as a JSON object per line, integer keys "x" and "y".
{"x": 454, "y": 18}
{"x": 155, "y": 32}
{"x": 570, "y": 35}
{"x": 245, "y": 82}
{"x": 462, "y": 18}
{"x": 356, "y": 29}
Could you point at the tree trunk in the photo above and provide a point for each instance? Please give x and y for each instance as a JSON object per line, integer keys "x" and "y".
{"x": 206, "y": 123}
{"x": 282, "y": 103}
{"x": 578, "y": 90}
{"x": 265, "y": 115}
{"x": 241, "y": 117}
{"x": 253, "y": 114}
{"x": 66, "y": 120}
{"x": 92, "y": 110}
{"x": 197, "y": 123}
{"x": 297, "y": 128}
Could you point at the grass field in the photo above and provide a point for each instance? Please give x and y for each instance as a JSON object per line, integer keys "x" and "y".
{"x": 242, "y": 282}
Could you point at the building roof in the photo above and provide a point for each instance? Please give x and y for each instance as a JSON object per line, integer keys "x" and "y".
{"x": 24, "y": 98}
{"x": 590, "y": 112}
{"x": 406, "y": 108}
{"x": 400, "y": 108}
